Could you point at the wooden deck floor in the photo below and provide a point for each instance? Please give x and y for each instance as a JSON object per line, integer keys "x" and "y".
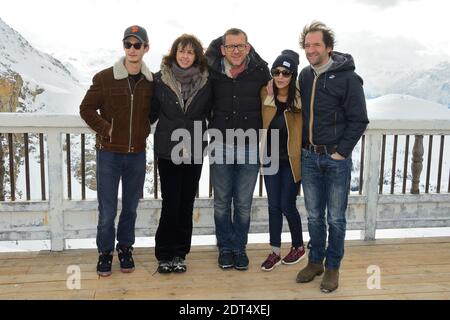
{"x": 410, "y": 269}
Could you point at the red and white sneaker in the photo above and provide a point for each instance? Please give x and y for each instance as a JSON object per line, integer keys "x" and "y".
{"x": 271, "y": 262}
{"x": 294, "y": 256}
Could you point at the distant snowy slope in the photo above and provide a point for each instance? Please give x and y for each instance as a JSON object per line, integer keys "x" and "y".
{"x": 431, "y": 83}
{"x": 405, "y": 107}
{"x": 48, "y": 85}
{"x": 84, "y": 64}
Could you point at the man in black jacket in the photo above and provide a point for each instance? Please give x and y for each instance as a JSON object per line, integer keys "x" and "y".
{"x": 237, "y": 74}
{"x": 335, "y": 117}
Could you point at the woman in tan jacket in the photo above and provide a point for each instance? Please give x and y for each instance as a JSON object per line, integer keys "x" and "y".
{"x": 281, "y": 147}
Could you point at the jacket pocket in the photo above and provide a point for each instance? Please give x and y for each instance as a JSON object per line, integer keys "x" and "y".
{"x": 161, "y": 142}
{"x": 119, "y": 99}
{"x": 112, "y": 131}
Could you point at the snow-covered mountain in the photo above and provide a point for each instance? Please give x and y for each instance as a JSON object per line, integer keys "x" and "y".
{"x": 83, "y": 65}
{"x": 432, "y": 84}
{"x": 45, "y": 84}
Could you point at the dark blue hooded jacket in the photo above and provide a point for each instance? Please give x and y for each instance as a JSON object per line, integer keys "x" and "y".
{"x": 337, "y": 104}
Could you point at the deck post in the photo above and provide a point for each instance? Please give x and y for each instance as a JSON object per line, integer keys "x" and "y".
{"x": 55, "y": 189}
{"x": 371, "y": 176}
{"x": 417, "y": 163}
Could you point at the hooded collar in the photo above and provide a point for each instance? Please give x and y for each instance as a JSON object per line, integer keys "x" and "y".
{"x": 342, "y": 62}
{"x": 120, "y": 72}
{"x": 214, "y": 56}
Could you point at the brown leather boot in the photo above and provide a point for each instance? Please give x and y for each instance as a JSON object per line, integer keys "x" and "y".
{"x": 309, "y": 272}
{"x": 330, "y": 281}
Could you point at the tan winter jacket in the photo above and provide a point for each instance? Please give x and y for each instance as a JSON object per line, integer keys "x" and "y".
{"x": 294, "y": 124}
{"x": 123, "y": 110}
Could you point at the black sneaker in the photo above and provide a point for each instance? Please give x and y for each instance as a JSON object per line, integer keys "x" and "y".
{"x": 226, "y": 260}
{"x": 126, "y": 259}
{"x": 178, "y": 265}
{"x": 240, "y": 261}
{"x": 104, "y": 264}
{"x": 164, "y": 266}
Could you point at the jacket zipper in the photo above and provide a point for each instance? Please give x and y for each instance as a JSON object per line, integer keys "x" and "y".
{"x": 131, "y": 112}
{"x": 311, "y": 110}
{"x": 112, "y": 128}
{"x": 335, "y": 124}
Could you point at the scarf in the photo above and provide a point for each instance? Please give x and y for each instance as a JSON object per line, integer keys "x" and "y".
{"x": 233, "y": 71}
{"x": 187, "y": 79}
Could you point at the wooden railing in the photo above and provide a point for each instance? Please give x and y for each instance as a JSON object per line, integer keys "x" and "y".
{"x": 57, "y": 215}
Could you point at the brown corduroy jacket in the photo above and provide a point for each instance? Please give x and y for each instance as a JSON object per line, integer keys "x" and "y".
{"x": 294, "y": 124}
{"x": 124, "y": 110}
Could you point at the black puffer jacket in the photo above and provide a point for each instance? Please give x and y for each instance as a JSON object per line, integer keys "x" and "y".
{"x": 168, "y": 108}
{"x": 236, "y": 102}
{"x": 337, "y": 102}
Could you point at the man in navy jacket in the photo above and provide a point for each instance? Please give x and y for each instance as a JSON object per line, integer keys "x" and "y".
{"x": 335, "y": 118}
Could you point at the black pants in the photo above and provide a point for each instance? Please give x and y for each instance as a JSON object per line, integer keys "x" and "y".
{"x": 178, "y": 188}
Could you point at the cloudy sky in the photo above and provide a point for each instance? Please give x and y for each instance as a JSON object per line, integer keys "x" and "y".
{"x": 389, "y": 33}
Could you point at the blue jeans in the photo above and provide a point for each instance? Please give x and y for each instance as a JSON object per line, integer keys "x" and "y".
{"x": 233, "y": 184}
{"x": 326, "y": 183}
{"x": 111, "y": 167}
{"x": 282, "y": 194}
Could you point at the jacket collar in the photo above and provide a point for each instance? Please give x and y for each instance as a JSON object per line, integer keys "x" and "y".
{"x": 269, "y": 101}
{"x": 214, "y": 56}
{"x": 169, "y": 80}
{"x": 120, "y": 72}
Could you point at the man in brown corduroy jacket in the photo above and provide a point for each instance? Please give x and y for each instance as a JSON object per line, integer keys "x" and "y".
{"x": 123, "y": 95}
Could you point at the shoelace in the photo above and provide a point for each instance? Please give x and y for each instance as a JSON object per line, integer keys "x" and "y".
{"x": 126, "y": 253}
{"x": 127, "y": 257}
{"x": 104, "y": 261}
{"x": 105, "y": 258}
{"x": 272, "y": 258}
{"x": 159, "y": 265}
{"x": 177, "y": 261}
{"x": 294, "y": 253}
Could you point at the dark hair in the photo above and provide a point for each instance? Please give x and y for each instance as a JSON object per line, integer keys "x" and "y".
{"x": 292, "y": 92}
{"x": 328, "y": 34}
{"x": 183, "y": 41}
{"x": 234, "y": 32}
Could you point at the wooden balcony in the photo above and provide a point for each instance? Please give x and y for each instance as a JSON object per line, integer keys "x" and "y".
{"x": 57, "y": 216}
{"x": 408, "y": 269}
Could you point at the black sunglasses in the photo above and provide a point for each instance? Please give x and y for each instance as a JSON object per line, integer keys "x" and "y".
{"x": 136, "y": 45}
{"x": 285, "y": 73}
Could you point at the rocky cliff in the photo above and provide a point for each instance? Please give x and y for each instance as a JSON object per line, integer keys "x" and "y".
{"x": 10, "y": 90}
{"x": 31, "y": 80}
